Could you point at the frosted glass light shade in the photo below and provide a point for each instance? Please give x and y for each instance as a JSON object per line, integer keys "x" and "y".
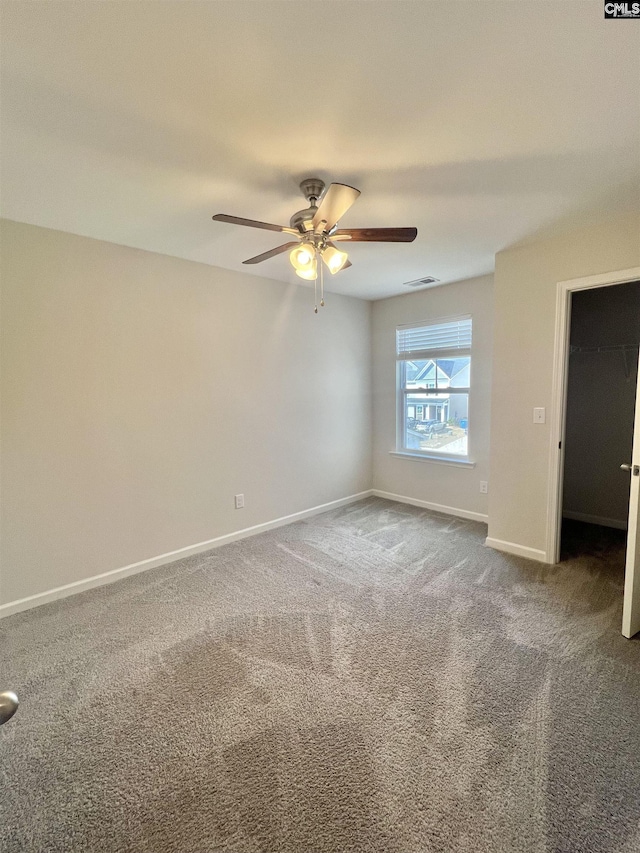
{"x": 303, "y": 256}
{"x": 334, "y": 259}
{"x": 309, "y": 272}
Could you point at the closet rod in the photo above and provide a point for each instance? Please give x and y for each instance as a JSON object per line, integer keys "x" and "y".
{"x": 612, "y": 348}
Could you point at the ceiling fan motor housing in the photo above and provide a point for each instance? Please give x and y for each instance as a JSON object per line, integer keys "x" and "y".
{"x": 303, "y": 219}
{"x": 312, "y": 189}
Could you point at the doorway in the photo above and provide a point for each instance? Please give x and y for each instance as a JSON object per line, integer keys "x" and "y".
{"x": 602, "y": 377}
{"x": 595, "y": 390}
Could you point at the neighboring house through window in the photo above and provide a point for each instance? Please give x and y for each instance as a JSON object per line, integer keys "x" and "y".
{"x": 433, "y": 382}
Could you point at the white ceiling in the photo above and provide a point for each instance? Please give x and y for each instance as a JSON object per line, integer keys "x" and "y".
{"x": 481, "y": 123}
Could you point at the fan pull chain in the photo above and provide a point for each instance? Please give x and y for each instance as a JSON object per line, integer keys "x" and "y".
{"x": 321, "y": 284}
{"x": 315, "y": 290}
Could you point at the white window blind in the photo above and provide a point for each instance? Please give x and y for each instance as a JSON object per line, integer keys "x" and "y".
{"x": 434, "y": 339}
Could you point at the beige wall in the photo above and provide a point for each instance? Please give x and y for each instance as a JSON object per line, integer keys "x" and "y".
{"x": 141, "y": 392}
{"x": 524, "y": 327}
{"x": 433, "y": 482}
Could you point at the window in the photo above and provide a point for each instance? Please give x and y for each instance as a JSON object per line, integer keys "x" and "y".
{"x": 434, "y": 379}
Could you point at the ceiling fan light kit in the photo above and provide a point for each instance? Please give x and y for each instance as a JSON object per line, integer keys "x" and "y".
{"x": 302, "y": 255}
{"x": 309, "y": 271}
{"x": 316, "y": 227}
{"x": 334, "y": 259}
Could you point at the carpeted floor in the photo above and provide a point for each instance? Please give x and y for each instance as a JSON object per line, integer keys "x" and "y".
{"x": 371, "y": 679}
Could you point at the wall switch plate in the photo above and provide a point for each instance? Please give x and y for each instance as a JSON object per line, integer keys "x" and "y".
{"x": 484, "y": 487}
{"x": 239, "y": 501}
{"x": 539, "y": 415}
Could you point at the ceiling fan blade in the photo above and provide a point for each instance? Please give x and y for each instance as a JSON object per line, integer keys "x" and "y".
{"x": 271, "y": 253}
{"x": 252, "y": 223}
{"x": 335, "y": 202}
{"x": 383, "y": 235}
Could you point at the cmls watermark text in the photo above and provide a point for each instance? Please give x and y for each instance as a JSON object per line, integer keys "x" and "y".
{"x": 622, "y": 10}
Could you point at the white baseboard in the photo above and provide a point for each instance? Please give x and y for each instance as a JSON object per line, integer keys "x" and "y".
{"x": 517, "y": 550}
{"x": 446, "y": 510}
{"x": 153, "y": 562}
{"x": 595, "y": 519}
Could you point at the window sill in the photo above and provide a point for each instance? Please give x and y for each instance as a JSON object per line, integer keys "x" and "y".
{"x": 440, "y": 460}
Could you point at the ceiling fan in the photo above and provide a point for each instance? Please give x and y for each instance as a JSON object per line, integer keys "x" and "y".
{"x": 316, "y": 230}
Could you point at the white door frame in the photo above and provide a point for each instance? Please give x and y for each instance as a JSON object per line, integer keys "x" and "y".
{"x": 631, "y": 603}
{"x": 559, "y": 395}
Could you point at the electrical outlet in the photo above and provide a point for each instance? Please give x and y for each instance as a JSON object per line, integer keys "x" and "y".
{"x": 239, "y": 501}
{"x": 539, "y": 416}
{"x": 484, "y": 487}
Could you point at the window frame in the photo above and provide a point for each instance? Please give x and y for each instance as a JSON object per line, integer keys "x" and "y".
{"x": 402, "y": 391}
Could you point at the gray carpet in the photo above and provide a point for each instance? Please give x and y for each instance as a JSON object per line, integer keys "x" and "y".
{"x": 372, "y": 679}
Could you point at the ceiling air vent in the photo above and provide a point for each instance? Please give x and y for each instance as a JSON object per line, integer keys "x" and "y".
{"x": 421, "y": 282}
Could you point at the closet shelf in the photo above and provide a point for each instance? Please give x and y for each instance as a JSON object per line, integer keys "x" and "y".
{"x": 612, "y": 348}
{"x": 625, "y": 349}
